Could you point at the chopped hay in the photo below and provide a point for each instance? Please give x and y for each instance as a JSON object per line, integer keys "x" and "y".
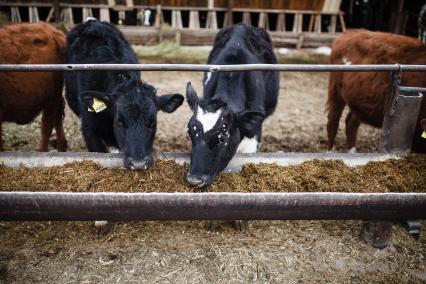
{"x": 405, "y": 175}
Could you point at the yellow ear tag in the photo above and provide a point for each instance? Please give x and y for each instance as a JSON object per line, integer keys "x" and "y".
{"x": 97, "y": 106}
{"x": 424, "y": 134}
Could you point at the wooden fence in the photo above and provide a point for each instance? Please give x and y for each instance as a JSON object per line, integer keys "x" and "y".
{"x": 148, "y": 24}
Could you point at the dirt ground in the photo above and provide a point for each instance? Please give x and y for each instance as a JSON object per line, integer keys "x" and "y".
{"x": 182, "y": 252}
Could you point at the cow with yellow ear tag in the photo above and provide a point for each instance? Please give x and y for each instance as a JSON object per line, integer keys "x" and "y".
{"x": 117, "y": 109}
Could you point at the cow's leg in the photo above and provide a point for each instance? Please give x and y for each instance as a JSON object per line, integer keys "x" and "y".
{"x": 93, "y": 142}
{"x": 250, "y": 142}
{"x": 248, "y": 145}
{"x": 47, "y": 123}
{"x": 61, "y": 141}
{"x": 1, "y": 132}
{"x": 335, "y": 109}
{"x": 352, "y": 125}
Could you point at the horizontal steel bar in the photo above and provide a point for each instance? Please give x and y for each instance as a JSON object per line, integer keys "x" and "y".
{"x": 52, "y": 159}
{"x": 212, "y": 68}
{"x": 404, "y": 89}
{"x": 54, "y": 206}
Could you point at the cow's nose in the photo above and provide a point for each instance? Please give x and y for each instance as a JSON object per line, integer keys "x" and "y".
{"x": 199, "y": 181}
{"x": 133, "y": 164}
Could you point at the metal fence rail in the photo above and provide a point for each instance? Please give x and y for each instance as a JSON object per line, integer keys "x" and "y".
{"x": 59, "y": 206}
{"x": 212, "y": 68}
{"x": 115, "y": 160}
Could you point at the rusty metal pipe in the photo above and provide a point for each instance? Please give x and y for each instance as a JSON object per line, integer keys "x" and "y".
{"x": 211, "y": 68}
{"x": 56, "y": 206}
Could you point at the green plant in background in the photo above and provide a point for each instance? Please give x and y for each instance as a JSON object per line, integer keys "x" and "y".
{"x": 3, "y": 19}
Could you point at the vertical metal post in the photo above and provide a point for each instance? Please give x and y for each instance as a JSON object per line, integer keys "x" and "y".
{"x": 400, "y": 22}
{"x": 229, "y": 12}
{"x": 57, "y": 11}
{"x": 400, "y": 118}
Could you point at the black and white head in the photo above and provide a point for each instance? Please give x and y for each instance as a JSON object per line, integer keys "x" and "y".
{"x": 134, "y": 106}
{"x": 215, "y": 130}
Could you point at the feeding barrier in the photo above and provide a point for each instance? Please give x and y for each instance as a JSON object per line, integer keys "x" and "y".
{"x": 378, "y": 210}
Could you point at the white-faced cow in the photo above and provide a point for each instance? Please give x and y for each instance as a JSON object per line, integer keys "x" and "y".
{"x": 365, "y": 92}
{"x": 228, "y": 119}
{"x": 117, "y": 109}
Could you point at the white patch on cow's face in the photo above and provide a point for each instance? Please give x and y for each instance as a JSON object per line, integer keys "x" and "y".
{"x": 208, "y": 119}
{"x": 208, "y": 77}
{"x": 248, "y": 145}
{"x": 346, "y": 61}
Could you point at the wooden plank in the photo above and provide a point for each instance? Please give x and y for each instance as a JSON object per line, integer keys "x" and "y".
{"x": 150, "y": 35}
{"x": 318, "y": 24}
{"x": 247, "y": 18}
{"x": 333, "y": 24}
{"x": 186, "y": 8}
{"x": 177, "y": 19}
{"x": 342, "y": 22}
{"x": 15, "y": 15}
{"x": 57, "y": 11}
{"x": 67, "y": 16}
{"x": 159, "y": 19}
{"x": 50, "y": 15}
{"x": 104, "y": 14}
{"x": 87, "y": 13}
{"x": 211, "y": 22}
{"x": 311, "y": 23}
{"x": 263, "y": 21}
{"x": 300, "y": 41}
{"x": 281, "y": 26}
{"x": 33, "y": 14}
{"x": 194, "y": 20}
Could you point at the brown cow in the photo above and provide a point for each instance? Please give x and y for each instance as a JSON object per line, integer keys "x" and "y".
{"x": 24, "y": 95}
{"x": 365, "y": 92}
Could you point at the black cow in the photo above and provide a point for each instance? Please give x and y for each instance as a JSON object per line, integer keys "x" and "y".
{"x": 116, "y": 109}
{"x": 228, "y": 119}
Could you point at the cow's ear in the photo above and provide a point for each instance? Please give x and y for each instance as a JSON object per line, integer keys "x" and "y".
{"x": 95, "y": 101}
{"x": 88, "y": 95}
{"x": 170, "y": 102}
{"x": 191, "y": 96}
{"x": 249, "y": 120}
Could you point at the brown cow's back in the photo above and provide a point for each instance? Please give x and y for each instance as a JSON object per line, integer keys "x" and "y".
{"x": 365, "y": 92}
{"x": 24, "y": 95}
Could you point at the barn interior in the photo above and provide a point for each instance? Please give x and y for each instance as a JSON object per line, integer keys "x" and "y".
{"x": 182, "y": 31}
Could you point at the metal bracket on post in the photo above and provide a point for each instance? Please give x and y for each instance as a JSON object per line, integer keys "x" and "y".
{"x": 413, "y": 227}
{"x": 400, "y": 117}
{"x": 395, "y": 79}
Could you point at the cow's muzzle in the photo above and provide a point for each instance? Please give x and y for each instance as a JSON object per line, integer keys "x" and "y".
{"x": 132, "y": 164}
{"x": 199, "y": 181}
